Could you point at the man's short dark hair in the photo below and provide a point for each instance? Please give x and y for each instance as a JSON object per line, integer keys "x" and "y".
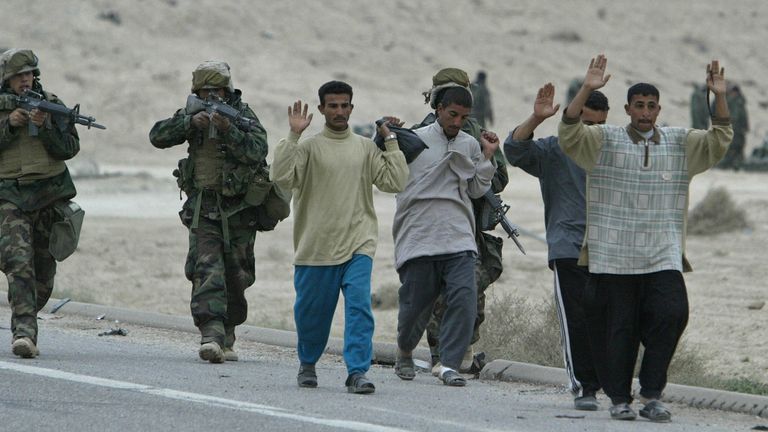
{"x": 597, "y": 101}
{"x": 642, "y": 89}
{"x": 334, "y": 87}
{"x": 456, "y": 95}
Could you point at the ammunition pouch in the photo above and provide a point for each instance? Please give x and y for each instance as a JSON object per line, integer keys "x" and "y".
{"x": 65, "y": 232}
{"x": 275, "y": 207}
{"x": 238, "y": 178}
{"x": 490, "y": 259}
{"x": 184, "y": 175}
{"x": 486, "y": 215}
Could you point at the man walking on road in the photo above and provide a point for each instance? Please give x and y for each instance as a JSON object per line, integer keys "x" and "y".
{"x": 638, "y": 178}
{"x": 563, "y": 189}
{"x": 335, "y": 229}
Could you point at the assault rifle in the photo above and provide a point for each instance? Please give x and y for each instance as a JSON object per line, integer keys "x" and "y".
{"x": 213, "y": 104}
{"x": 32, "y": 100}
{"x": 498, "y": 215}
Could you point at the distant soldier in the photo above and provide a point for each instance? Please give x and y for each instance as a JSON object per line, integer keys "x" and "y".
{"x": 737, "y": 105}
{"x": 225, "y": 160}
{"x": 699, "y": 111}
{"x": 482, "y": 111}
{"x": 35, "y": 188}
{"x": 573, "y": 88}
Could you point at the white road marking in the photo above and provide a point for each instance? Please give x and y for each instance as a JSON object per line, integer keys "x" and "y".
{"x": 265, "y": 410}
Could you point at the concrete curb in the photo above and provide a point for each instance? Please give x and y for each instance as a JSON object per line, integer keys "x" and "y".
{"x": 698, "y": 397}
{"x": 384, "y": 353}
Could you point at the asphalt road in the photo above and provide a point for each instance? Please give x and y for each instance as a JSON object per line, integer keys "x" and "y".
{"x": 152, "y": 380}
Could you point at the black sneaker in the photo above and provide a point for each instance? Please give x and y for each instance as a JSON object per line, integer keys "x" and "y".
{"x": 358, "y": 383}
{"x": 307, "y": 377}
{"x": 587, "y": 402}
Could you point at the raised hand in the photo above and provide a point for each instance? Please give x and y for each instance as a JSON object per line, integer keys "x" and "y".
{"x": 489, "y": 141}
{"x": 596, "y": 77}
{"x": 542, "y": 107}
{"x": 716, "y": 77}
{"x": 298, "y": 119}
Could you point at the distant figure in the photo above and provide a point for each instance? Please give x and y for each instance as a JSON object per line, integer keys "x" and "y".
{"x": 737, "y": 105}
{"x": 699, "y": 111}
{"x": 573, "y": 88}
{"x": 481, "y": 101}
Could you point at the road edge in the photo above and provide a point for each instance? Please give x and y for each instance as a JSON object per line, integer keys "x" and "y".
{"x": 384, "y": 353}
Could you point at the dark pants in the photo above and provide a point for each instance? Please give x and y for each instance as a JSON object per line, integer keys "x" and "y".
{"x": 625, "y": 310}
{"x": 570, "y": 283}
{"x": 423, "y": 280}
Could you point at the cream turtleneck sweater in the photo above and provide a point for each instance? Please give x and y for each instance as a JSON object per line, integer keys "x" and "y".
{"x": 331, "y": 176}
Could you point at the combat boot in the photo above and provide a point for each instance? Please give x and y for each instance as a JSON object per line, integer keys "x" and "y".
{"x": 24, "y": 348}
{"x": 212, "y": 352}
{"x": 230, "y": 354}
{"x": 229, "y": 343}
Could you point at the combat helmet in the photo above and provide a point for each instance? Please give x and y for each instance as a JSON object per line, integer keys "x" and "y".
{"x": 16, "y": 61}
{"x": 443, "y": 79}
{"x": 212, "y": 74}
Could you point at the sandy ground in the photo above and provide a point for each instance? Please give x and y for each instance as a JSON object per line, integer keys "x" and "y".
{"x": 129, "y": 64}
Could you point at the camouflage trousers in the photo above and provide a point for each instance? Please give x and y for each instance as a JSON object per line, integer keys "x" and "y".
{"x": 26, "y": 262}
{"x": 220, "y": 274}
{"x": 488, "y": 268}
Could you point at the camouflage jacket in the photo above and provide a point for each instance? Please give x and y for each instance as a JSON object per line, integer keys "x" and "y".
{"x": 60, "y": 140}
{"x": 244, "y": 152}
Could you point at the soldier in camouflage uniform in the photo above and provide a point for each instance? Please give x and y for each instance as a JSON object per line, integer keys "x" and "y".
{"x": 699, "y": 111}
{"x": 489, "y": 263}
{"x": 224, "y": 162}
{"x": 33, "y": 180}
{"x": 737, "y": 106}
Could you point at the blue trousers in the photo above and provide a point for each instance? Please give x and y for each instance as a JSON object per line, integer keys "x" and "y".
{"x": 317, "y": 293}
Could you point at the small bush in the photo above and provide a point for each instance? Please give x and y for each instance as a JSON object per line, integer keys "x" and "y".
{"x": 385, "y": 297}
{"x": 529, "y": 332}
{"x": 519, "y": 330}
{"x": 716, "y": 214}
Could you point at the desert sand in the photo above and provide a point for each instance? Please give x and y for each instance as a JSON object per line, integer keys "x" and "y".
{"x": 129, "y": 63}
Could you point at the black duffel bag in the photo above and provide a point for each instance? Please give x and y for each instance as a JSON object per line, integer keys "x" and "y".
{"x": 410, "y": 143}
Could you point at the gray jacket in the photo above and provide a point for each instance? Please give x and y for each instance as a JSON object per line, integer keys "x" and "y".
{"x": 431, "y": 217}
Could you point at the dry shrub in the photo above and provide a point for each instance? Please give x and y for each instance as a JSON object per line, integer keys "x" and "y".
{"x": 716, "y": 214}
{"x": 385, "y": 297}
{"x": 520, "y": 330}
